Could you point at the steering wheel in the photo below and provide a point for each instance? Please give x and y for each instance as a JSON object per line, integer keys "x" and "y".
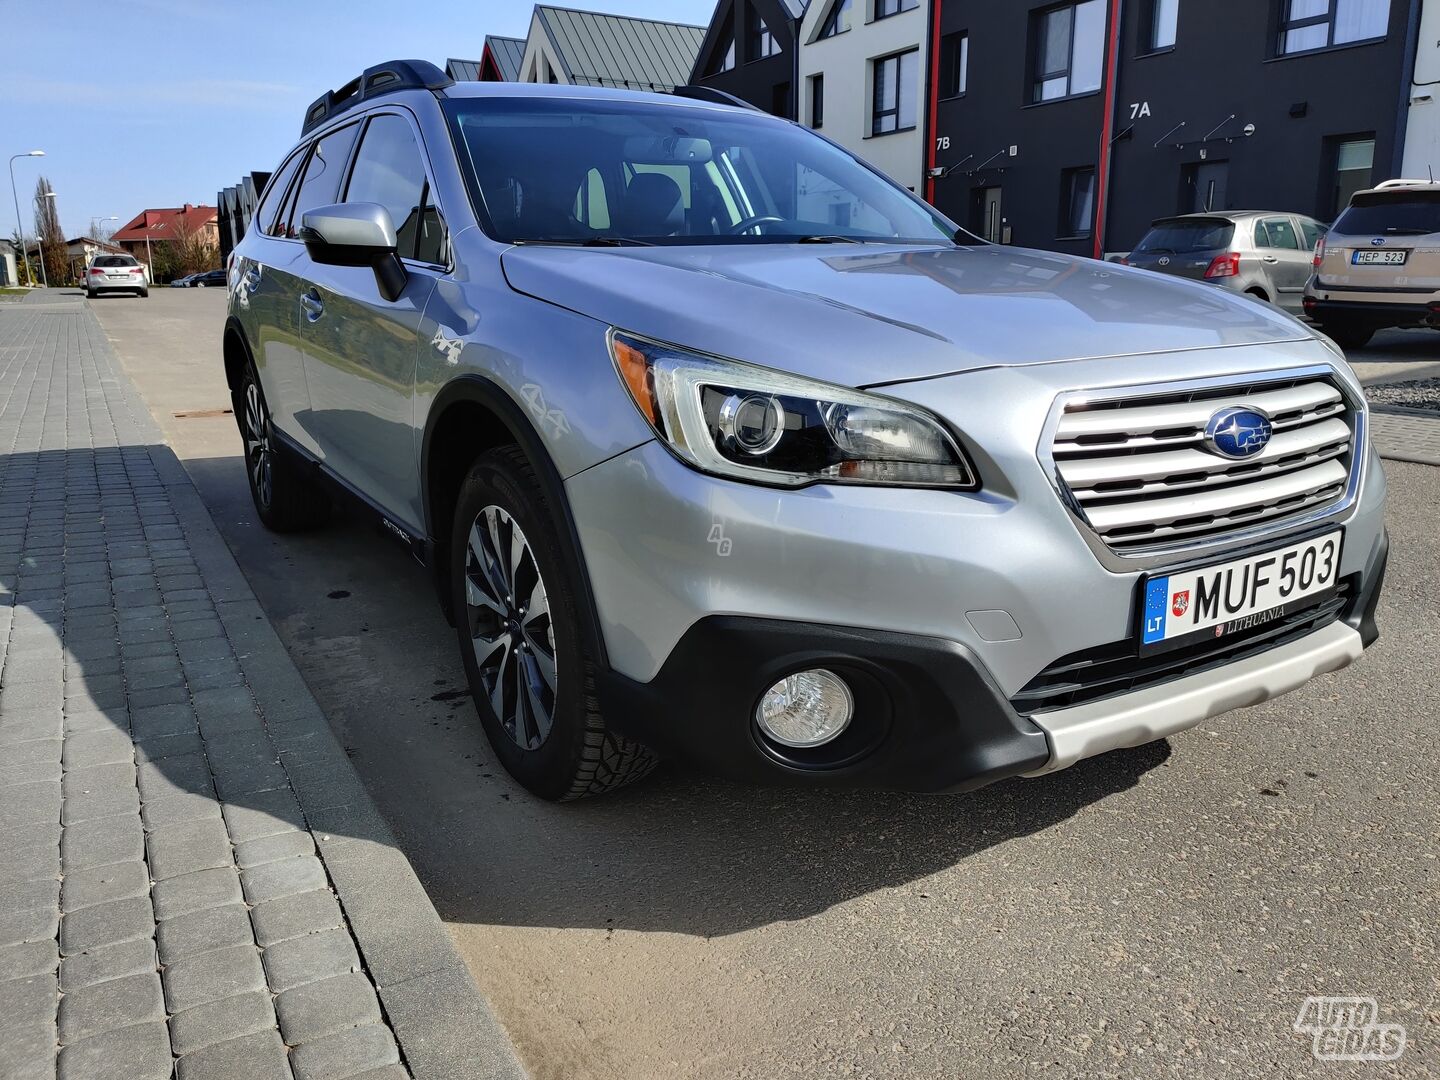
{"x": 750, "y": 223}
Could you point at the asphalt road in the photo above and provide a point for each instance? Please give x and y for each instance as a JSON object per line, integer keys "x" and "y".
{"x": 1162, "y": 911}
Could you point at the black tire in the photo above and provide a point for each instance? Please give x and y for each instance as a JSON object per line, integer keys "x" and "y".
{"x": 579, "y": 754}
{"x": 1349, "y": 336}
{"x": 90, "y": 294}
{"x": 286, "y": 500}
{"x": 144, "y": 294}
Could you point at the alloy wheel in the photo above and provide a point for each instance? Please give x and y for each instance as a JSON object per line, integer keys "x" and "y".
{"x": 258, "y": 453}
{"x": 510, "y": 627}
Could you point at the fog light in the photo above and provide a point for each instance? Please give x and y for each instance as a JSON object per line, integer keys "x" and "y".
{"x": 807, "y": 709}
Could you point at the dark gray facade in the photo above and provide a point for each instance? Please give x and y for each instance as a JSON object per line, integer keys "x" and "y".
{"x": 738, "y": 57}
{"x": 1220, "y": 118}
{"x": 234, "y": 208}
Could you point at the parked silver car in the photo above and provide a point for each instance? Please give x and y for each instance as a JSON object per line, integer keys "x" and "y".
{"x": 721, "y": 445}
{"x": 1262, "y": 253}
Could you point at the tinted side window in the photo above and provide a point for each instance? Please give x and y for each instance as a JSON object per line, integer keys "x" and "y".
{"x": 389, "y": 171}
{"x": 1276, "y": 233}
{"x": 1312, "y": 231}
{"x": 268, "y": 212}
{"x": 320, "y": 186}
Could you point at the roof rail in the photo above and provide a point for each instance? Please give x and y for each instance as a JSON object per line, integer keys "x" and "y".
{"x": 715, "y": 97}
{"x": 1389, "y": 184}
{"x": 383, "y": 78}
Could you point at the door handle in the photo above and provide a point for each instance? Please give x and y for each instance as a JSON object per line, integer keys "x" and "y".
{"x": 1271, "y": 259}
{"x": 313, "y": 305}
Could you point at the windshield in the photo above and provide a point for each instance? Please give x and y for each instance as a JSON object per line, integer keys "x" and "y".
{"x": 576, "y": 171}
{"x": 114, "y": 260}
{"x": 1413, "y": 213}
{"x": 1186, "y": 237}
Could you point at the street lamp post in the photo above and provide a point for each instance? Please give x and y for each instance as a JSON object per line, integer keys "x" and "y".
{"x": 40, "y": 242}
{"x": 19, "y": 223}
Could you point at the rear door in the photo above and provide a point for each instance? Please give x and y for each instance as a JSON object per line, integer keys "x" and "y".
{"x": 361, "y": 350}
{"x": 1285, "y": 263}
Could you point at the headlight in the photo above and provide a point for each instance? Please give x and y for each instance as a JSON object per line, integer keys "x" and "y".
{"x": 751, "y": 423}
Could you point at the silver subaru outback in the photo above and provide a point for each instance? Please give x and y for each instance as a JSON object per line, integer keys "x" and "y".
{"x": 721, "y": 446}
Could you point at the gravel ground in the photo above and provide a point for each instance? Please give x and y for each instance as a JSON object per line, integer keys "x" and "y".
{"x": 1416, "y": 394}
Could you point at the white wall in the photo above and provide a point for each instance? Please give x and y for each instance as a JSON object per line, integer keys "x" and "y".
{"x": 1422, "y": 139}
{"x": 845, "y": 60}
{"x": 540, "y": 62}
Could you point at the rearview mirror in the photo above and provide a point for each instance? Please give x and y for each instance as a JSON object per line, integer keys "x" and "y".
{"x": 667, "y": 150}
{"x": 356, "y": 234}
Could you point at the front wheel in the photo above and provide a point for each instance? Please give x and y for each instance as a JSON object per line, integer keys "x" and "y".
{"x": 517, "y": 616}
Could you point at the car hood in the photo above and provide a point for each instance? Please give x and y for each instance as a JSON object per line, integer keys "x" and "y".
{"x": 870, "y": 315}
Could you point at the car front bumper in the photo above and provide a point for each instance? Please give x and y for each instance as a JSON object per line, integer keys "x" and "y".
{"x": 946, "y": 606}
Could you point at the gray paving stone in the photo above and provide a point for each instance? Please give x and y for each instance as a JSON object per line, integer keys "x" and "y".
{"x": 138, "y": 1052}
{"x": 346, "y": 1054}
{"x": 385, "y": 1072}
{"x": 106, "y": 924}
{"x": 42, "y": 724}
{"x": 27, "y": 958}
{"x": 101, "y": 884}
{"x": 268, "y": 849}
{"x": 302, "y": 960}
{"x": 102, "y": 841}
{"x": 34, "y": 752}
{"x": 203, "y": 931}
{"x": 119, "y": 775}
{"x": 97, "y": 748}
{"x": 27, "y": 1001}
{"x": 106, "y": 1006}
{"x": 263, "y": 814}
{"x": 31, "y": 912}
{"x": 162, "y": 747}
{"x": 10, "y": 775}
{"x": 27, "y": 1052}
{"x": 235, "y": 784}
{"x": 295, "y": 916}
{"x": 195, "y": 892}
{"x": 99, "y": 804}
{"x": 172, "y": 719}
{"x": 326, "y": 1008}
{"x": 219, "y": 1021}
{"x": 83, "y": 969}
{"x": 187, "y": 847}
{"x": 260, "y": 1056}
{"x": 174, "y": 776}
{"x": 179, "y": 810}
{"x": 197, "y": 980}
{"x": 284, "y": 877}
{"x": 26, "y": 804}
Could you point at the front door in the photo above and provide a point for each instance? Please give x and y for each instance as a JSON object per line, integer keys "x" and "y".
{"x": 989, "y": 220}
{"x": 361, "y": 350}
{"x": 1206, "y": 184}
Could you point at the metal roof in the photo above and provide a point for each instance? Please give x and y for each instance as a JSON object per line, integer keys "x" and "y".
{"x": 615, "y": 50}
{"x": 508, "y": 52}
{"x": 796, "y": 8}
{"x": 463, "y": 70}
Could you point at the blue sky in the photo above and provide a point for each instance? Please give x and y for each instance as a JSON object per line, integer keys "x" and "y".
{"x": 161, "y": 102}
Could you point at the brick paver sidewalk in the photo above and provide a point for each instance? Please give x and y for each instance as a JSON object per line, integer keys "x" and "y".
{"x": 192, "y": 878}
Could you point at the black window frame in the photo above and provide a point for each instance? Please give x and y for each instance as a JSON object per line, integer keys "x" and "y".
{"x": 1282, "y": 220}
{"x": 876, "y": 112}
{"x": 298, "y": 183}
{"x": 898, "y": 7}
{"x": 1152, "y": 27}
{"x": 816, "y": 96}
{"x": 954, "y": 61}
{"x": 1285, "y": 24}
{"x": 1038, "y": 20}
{"x": 1066, "y": 229}
{"x": 757, "y": 34}
{"x": 831, "y": 27}
{"x": 280, "y": 186}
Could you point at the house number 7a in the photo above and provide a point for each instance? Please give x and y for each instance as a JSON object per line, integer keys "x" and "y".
{"x": 942, "y": 143}
{"x": 1139, "y": 109}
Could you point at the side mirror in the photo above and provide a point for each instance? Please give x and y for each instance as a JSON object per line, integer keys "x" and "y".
{"x": 356, "y": 234}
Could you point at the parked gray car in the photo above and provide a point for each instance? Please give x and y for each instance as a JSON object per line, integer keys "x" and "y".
{"x": 1261, "y": 253}
{"x": 721, "y": 445}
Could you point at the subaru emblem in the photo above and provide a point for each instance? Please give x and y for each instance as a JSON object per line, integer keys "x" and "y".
{"x": 1379, "y": 241}
{"x": 1238, "y": 432}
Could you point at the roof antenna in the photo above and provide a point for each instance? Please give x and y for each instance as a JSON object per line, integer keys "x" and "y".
{"x": 1432, "y": 173}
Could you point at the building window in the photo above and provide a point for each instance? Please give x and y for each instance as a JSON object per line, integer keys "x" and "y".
{"x": 761, "y": 42}
{"x": 1354, "y": 162}
{"x": 724, "y": 61}
{"x": 885, "y": 8}
{"x": 895, "y": 93}
{"x": 1164, "y": 22}
{"x": 954, "y": 64}
{"x": 1069, "y": 50}
{"x": 1077, "y": 202}
{"x": 817, "y": 101}
{"x": 837, "y": 21}
{"x": 780, "y": 100}
{"x": 1318, "y": 24}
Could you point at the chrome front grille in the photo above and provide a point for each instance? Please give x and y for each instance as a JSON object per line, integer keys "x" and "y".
{"x": 1137, "y": 469}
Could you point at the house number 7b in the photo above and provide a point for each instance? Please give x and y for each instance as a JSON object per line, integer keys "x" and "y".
{"x": 942, "y": 143}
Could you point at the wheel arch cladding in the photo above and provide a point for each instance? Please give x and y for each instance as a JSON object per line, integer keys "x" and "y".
{"x": 236, "y": 352}
{"x": 469, "y": 416}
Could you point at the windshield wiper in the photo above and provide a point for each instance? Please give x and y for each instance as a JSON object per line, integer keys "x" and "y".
{"x": 592, "y": 241}
{"x": 1398, "y": 231}
{"x": 825, "y": 239}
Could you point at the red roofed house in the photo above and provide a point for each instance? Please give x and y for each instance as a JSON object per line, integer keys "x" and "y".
{"x": 169, "y": 236}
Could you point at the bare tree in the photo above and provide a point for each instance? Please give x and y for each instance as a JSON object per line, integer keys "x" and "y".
{"x": 192, "y": 249}
{"x": 51, "y": 235}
